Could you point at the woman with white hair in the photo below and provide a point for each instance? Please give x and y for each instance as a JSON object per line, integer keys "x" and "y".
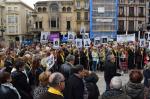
{"x": 115, "y": 91}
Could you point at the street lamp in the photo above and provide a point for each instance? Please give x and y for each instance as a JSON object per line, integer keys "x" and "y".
{"x": 2, "y": 29}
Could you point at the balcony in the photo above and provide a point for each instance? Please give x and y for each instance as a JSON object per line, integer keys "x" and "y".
{"x": 35, "y": 29}
{"x": 141, "y": 15}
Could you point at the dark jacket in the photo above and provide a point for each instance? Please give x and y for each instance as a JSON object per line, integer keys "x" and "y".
{"x": 146, "y": 74}
{"x": 19, "y": 80}
{"x": 74, "y": 88}
{"x": 109, "y": 71}
{"x": 66, "y": 70}
{"x": 135, "y": 91}
{"x": 49, "y": 95}
{"x": 114, "y": 94}
{"x": 93, "y": 91}
{"x": 7, "y": 93}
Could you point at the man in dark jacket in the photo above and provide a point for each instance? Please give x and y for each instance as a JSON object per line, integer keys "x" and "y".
{"x": 66, "y": 69}
{"x": 5, "y": 91}
{"x": 109, "y": 70}
{"x": 57, "y": 85}
{"x": 74, "y": 88}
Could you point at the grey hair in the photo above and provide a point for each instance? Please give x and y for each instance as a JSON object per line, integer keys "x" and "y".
{"x": 55, "y": 79}
{"x": 70, "y": 58}
{"x": 116, "y": 83}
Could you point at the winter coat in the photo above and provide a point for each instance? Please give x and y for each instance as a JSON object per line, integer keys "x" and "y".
{"x": 7, "y": 93}
{"x": 93, "y": 91}
{"x": 134, "y": 90}
{"x": 114, "y": 94}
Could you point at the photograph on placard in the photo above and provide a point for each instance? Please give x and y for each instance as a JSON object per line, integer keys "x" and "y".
{"x": 142, "y": 42}
{"x": 86, "y": 36}
{"x": 82, "y": 30}
{"x": 71, "y": 35}
{"x": 87, "y": 42}
{"x": 79, "y": 43}
{"x": 56, "y": 42}
{"x": 97, "y": 41}
{"x": 104, "y": 40}
{"x": 44, "y": 37}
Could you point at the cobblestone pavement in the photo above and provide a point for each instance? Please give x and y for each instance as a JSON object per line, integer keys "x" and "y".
{"x": 101, "y": 82}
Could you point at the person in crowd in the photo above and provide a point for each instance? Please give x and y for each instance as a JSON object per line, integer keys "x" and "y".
{"x": 115, "y": 91}
{"x": 146, "y": 73}
{"x": 20, "y": 80}
{"x": 110, "y": 70}
{"x": 134, "y": 88}
{"x": 7, "y": 90}
{"x": 57, "y": 84}
{"x": 84, "y": 58}
{"x": 35, "y": 71}
{"x": 60, "y": 59}
{"x": 131, "y": 57}
{"x": 43, "y": 85}
{"x": 74, "y": 88}
{"x": 66, "y": 69}
{"x": 90, "y": 82}
{"x": 9, "y": 61}
{"x": 95, "y": 59}
{"x": 139, "y": 58}
{"x": 2, "y": 55}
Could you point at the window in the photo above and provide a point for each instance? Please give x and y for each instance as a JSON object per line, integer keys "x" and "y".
{"x": 53, "y": 23}
{"x": 78, "y": 4}
{"x": 68, "y": 25}
{"x": 15, "y": 8}
{"x": 40, "y": 25}
{"x": 68, "y": 9}
{"x": 36, "y": 25}
{"x": 121, "y": 1}
{"x": 131, "y": 11}
{"x": 12, "y": 29}
{"x": 121, "y": 25}
{"x": 64, "y": 9}
{"x": 12, "y": 19}
{"x": 141, "y": 1}
{"x": 9, "y": 9}
{"x": 131, "y": 26}
{"x": 54, "y": 8}
{"x": 141, "y": 11}
{"x": 86, "y": 15}
{"x": 86, "y": 2}
{"x": 39, "y": 9}
{"x": 121, "y": 11}
{"x": 44, "y": 9}
{"x": 78, "y": 16}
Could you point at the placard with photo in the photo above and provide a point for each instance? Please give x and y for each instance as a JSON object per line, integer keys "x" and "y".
{"x": 71, "y": 35}
{"x": 87, "y": 42}
{"x": 79, "y": 43}
{"x": 82, "y": 30}
{"x": 104, "y": 39}
{"x": 97, "y": 41}
{"x": 142, "y": 42}
{"x": 44, "y": 37}
{"x": 56, "y": 43}
{"x": 85, "y": 36}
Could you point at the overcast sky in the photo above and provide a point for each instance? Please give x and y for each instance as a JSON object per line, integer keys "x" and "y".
{"x": 31, "y": 2}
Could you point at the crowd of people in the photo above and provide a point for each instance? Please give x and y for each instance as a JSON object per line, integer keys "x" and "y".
{"x": 40, "y": 72}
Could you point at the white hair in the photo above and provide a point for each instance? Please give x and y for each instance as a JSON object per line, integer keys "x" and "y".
{"x": 116, "y": 83}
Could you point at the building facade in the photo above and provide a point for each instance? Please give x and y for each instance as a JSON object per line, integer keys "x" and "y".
{"x": 15, "y": 19}
{"x": 103, "y": 18}
{"x": 61, "y": 16}
{"x": 132, "y": 16}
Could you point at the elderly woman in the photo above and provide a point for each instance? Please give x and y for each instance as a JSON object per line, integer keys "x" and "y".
{"x": 115, "y": 91}
{"x": 43, "y": 85}
{"x": 57, "y": 84}
{"x": 134, "y": 88}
